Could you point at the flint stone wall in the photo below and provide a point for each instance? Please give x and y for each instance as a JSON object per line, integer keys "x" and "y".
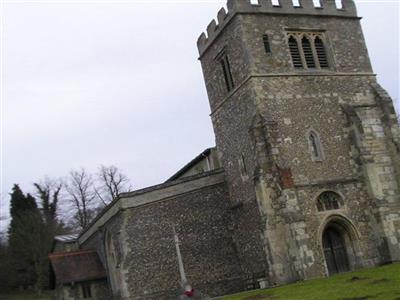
{"x": 203, "y": 224}
{"x": 146, "y": 261}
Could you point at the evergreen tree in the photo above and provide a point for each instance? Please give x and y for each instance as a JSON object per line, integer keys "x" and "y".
{"x": 20, "y": 203}
{"x": 25, "y": 238}
{"x": 5, "y": 265}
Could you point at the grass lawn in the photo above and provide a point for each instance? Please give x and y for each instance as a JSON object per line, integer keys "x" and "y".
{"x": 26, "y": 296}
{"x": 381, "y": 283}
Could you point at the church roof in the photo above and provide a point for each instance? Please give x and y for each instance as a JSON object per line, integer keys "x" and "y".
{"x": 152, "y": 194}
{"x": 77, "y": 266}
{"x": 190, "y": 164}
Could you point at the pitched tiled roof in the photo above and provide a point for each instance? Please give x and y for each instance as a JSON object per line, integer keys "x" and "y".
{"x": 77, "y": 266}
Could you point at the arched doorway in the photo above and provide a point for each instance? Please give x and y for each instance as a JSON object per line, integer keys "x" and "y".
{"x": 334, "y": 245}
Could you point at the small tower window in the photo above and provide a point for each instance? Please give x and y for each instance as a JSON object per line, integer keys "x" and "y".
{"x": 321, "y": 53}
{"x": 308, "y": 52}
{"x": 329, "y": 201}
{"x": 315, "y": 146}
{"x": 226, "y": 69}
{"x": 267, "y": 45}
{"x": 295, "y": 53}
{"x": 243, "y": 168}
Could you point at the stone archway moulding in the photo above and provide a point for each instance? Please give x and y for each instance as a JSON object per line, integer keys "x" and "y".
{"x": 341, "y": 220}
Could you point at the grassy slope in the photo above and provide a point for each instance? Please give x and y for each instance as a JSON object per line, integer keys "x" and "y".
{"x": 381, "y": 283}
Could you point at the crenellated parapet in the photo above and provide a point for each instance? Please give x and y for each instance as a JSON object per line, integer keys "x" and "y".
{"x": 300, "y": 7}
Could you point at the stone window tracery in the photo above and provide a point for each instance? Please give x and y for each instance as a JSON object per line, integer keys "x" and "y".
{"x": 308, "y": 50}
{"x": 329, "y": 201}
{"x": 295, "y": 53}
{"x": 321, "y": 52}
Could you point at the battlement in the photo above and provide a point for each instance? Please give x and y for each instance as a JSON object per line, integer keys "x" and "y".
{"x": 298, "y": 7}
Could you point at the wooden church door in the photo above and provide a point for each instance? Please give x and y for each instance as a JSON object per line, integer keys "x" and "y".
{"x": 335, "y": 251}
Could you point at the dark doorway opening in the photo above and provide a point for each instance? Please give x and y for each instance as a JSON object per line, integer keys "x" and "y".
{"x": 335, "y": 251}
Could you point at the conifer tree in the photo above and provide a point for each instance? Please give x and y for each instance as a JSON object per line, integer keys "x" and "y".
{"x": 20, "y": 203}
{"x": 25, "y": 235}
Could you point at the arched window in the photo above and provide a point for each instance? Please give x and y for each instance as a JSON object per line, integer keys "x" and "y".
{"x": 315, "y": 146}
{"x": 321, "y": 53}
{"x": 308, "y": 52}
{"x": 295, "y": 53}
{"x": 329, "y": 201}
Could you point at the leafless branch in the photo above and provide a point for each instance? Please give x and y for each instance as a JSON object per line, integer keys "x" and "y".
{"x": 111, "y": 182}
{"x": 81, "y": 194}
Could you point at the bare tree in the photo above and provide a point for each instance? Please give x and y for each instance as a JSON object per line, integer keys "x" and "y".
{"x": 82, "y": 196}
{"x": 111, "y": 182}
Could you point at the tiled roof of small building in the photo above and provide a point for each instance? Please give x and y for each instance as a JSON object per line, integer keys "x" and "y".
{"x": 77, "y": 266}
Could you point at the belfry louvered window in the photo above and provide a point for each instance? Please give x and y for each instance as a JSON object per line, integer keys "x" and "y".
{"x": 321, "y": 53}
{"x": 307, "y": 50}
{"x": 295, "y": 53}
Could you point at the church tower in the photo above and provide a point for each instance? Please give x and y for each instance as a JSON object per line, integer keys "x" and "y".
{"x": 308, "y": 139}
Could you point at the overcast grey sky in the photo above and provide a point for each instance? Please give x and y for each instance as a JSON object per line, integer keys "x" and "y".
{"x": 118, "y": 82}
